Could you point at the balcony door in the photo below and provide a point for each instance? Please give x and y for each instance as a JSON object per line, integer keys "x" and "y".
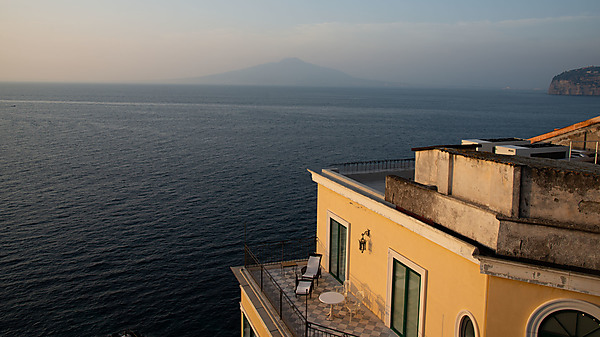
{"x": 338, "y": 238}
{"x": 406, "y": 296}
{"x": 406, "y": 289}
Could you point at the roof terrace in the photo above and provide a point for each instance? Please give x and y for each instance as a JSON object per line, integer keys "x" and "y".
{"x": 372, "y": 173}
{"x": 273, "y": 283}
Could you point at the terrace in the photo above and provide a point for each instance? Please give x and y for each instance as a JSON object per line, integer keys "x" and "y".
{"x": 270, "y": 270}
{"x": 372, "y": 173}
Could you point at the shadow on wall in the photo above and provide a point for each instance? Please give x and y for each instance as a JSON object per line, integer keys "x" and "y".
{"x": 374, "y": 302}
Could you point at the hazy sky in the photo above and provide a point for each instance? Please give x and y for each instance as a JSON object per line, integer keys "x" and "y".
{"x": 521, "y": 44}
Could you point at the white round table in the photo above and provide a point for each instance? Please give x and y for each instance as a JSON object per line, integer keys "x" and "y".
{"x": 331, "y": 298}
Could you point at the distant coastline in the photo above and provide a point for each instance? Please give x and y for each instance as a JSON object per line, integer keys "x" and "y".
{"x": 578, "y": 82}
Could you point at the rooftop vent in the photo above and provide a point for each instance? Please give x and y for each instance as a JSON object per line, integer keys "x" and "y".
{"x": 540, "y": 150}
{"x": 489, "y": 144}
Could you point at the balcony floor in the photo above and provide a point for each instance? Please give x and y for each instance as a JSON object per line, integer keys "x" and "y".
{"x": 364, "y": 323}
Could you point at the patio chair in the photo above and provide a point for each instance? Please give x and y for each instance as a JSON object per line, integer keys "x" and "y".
{"x": 347, "y": 286}
{"x": 356, "y": 303}
{"x": 312, "y": 270}
{"x": 353, "y": 305}
{"x": 303, "y": 286}
{"x": 340, "y": 289}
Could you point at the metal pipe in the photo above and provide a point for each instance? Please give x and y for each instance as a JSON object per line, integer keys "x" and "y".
{"x": 570, "y": 148}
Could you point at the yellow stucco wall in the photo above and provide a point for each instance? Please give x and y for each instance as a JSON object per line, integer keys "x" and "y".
{"x": 511, "y": 303}
{"x": 252, "y": 316}
{"x": 453, "y": 283}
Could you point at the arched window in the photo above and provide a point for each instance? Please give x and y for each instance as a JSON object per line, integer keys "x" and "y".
{"x": 466, "y": 326}
{"x": 569, "y": 323}
{"x": 565, "y": 318}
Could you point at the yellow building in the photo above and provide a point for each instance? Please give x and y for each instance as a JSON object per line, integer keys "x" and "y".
{"x": 456, "y": 242}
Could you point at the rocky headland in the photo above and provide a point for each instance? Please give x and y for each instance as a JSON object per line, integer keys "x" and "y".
{"x": 581, "y": 82}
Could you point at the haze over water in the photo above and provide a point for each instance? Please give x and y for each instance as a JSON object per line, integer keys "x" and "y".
{"x": 123, "y": 206}
{"x": 462, "y": 43}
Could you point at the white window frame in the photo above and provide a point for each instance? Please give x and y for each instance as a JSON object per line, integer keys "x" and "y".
{"x": 459, "y": 318}
{"x": 548, "y": 308}
{"x": 393, "y": 255}
{"x": 331, "y": 215}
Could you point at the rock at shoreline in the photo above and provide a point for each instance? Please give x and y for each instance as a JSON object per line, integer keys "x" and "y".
{"x": 581, "y": 82}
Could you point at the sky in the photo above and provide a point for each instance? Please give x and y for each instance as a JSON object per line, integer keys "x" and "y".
{"x": 460, "y": 43}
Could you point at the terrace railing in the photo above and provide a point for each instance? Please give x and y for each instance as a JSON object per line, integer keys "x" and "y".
{"x": 293, "y": 317}
{"x": 374, "y": 166}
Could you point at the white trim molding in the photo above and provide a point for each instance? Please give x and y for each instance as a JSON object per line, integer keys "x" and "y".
{"x": 549, "y": 277}
{"x": 393, "y": 255}
{"x": 459, "y": 319}
{"x": 546, "y": 309}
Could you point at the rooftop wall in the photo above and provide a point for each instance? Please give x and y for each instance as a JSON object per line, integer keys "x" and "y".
{"x": 559, "y": 195}
{"x": 538, "y": 209}
{"x": 488, "y": 184}
{"x": 546, "y": 241}
{"x": 461, "y": 217}
{"x": 538, "y": 241}
{"x": 515, "y": 186}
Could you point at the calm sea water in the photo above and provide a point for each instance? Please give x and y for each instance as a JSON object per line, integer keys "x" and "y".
{"x": 123, "y": 206}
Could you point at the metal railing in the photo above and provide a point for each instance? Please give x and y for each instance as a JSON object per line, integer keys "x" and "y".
{"x": 292, "y": 316}
{"x": 584, "y": 147}
{"x": 374, "y": 166}
{"x": 284, "y": 306}
{"x": 287, "y": 250}
{"x": 317, "y": 330}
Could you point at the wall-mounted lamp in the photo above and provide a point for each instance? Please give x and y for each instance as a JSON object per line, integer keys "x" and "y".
{"x": 362, "y": 243}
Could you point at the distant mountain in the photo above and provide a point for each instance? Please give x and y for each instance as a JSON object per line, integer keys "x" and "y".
{"x": 583, "y": 81}
{"x": 287, "y": 72}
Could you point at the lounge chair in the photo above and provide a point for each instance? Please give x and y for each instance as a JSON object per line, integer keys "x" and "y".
{"x": 312, "y": 270}
{"x": 303, "y": 286}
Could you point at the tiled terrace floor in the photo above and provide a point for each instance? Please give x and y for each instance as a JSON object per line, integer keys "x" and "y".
{"x": 364, "y": 323}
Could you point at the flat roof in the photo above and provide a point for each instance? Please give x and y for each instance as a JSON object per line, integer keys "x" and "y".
{"x": 536, "y": 162}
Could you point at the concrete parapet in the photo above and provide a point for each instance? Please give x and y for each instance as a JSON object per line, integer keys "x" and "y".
{"x": 469, "y": 220}
{"x": 556, "y": 244}
{"x": 548, "y": 241}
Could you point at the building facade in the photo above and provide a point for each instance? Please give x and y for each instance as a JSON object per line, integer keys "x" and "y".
{"x": 465, "y": 243}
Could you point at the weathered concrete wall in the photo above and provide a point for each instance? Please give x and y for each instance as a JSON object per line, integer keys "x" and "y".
{"x": 482, "y": 182}
{"x": 431, "y": 168}
{"x": 513, "y": 186}
{"x": 464, "y": 218}
{"x": 560, "y": 195}
{"x": 549, "y": 244}
{"x": 486, "y": 183}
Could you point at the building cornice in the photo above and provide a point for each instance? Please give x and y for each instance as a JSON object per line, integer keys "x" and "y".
{"x": 550, "y": 277}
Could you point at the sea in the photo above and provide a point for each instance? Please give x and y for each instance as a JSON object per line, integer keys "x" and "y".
{"x": 124, "y": 206}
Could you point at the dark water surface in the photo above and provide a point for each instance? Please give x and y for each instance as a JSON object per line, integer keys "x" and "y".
{"x": 123, "y": 206}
